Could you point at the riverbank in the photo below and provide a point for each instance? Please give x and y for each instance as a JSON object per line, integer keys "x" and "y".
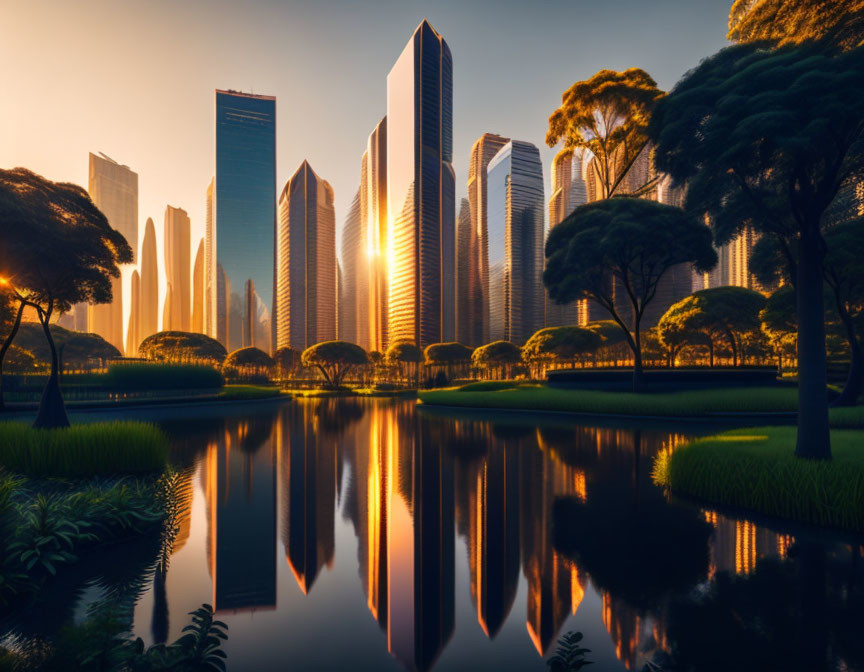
{"x": 755, "y": 469}
{"x": 774, "y": 404}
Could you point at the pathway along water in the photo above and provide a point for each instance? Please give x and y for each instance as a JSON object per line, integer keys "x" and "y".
{"x": 370, "y": 534}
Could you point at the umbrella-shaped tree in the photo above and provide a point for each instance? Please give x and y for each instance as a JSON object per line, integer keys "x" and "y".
{"x": 248, "y": 364}
{"x": 182, "y": 347}
{"x": 447, "y": 357}
{"x": 560, "y": 345}
{"x": 287, "y": 361}
{"x": 616, "y": 252}
{"x": 408, "y": 357}
{"x": 335, "y": 360}
{"x": 497, "y": 358}
{"x": 58, "y": 250}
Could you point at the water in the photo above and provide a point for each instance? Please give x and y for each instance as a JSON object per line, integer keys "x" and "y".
{"x": 370, "y": 534}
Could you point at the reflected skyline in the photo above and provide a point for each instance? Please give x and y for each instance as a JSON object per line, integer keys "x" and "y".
{"x": 433, "y": 537}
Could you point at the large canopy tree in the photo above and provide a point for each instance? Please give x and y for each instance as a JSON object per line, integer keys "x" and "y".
{"x": 780, "y": 323}
{"x": 607, "y": 116}
{"x": 498, "y": 356}
{"x": 837, "y": 22}
{"x": 616, "y": 252}
{"x": 447, "y": 356}
{"x": 711, "y": 316}
{"x": 10, "y": 320}
{"x": 57, "y": 250}
{"x": 248, "y": 363}
{"x": 287, "y": 361}
{"x": 335, "y": 360}
{"x": 405, "y": 355}
{"x": 182, "y": 347}
{"x": 560, "y": 345}
{"x": 767, "y": 137}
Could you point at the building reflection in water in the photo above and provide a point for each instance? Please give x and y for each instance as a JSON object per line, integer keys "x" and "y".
{"x": 240, "y": 489}
{"x": 416, "y": 479}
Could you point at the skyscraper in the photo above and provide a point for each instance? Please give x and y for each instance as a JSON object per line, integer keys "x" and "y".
{"x": 114, "y": 190}
{"x": 354, "y": 290}
{"x": 177, "y": 269}
{"x": 568, "y": 193}
{"x": 244, "y": 206}
{"x": 421, "y": 191}
{"x": 209, "y": 264}
{"x": 515, "y": 222}
{"x": 133, "y": 332}
{"x": 484, "y": 148}
{"x": 373, "y": 212}
{"x": 306, "y": 261}
{"x": 464, "y": 315}
{"x": 198, "y": 290}
{"x": 148, "y": 320}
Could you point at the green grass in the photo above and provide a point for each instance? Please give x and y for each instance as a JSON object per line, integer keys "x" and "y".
{"x": 847, "y": 417}
{"x": 157, "y": 376}
{"x": 488, "y": 386}
{"x": 756, "y": 470}
{"x": 248, "y": 392}
{"x": 81, "y": 451}
{"x": 692, "y": 403}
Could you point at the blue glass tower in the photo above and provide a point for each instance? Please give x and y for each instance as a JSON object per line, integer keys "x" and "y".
{"x": 244, "y": 214}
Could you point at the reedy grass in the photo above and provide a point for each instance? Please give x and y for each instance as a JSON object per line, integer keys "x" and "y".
{"x": 161, "y": 376}
{"x": 690, "y": 403}
{"x": 81, "y": 451}
{"x": 756, "y": 470}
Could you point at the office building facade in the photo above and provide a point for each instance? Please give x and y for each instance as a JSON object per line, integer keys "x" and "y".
{"x": 177, "y": 239}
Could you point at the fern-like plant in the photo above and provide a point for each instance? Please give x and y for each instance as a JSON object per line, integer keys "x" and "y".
{"x": 570, "y": 655}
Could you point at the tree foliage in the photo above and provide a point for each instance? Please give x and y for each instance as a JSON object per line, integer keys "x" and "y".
{"x": 497, "y": 356}
{"x": 287, "y": 361}
{"x": 447, "y": 354}
{"x": 335, "y": 360}
{"x": 76, "y": 349}
{"x": 607, "y": 116}
{"x": 713, "y": 316}
{"x": 58, "y": 250}
{"x": 766, "y": 138}
{"x": 248, "y": 363}
{"x": 561, "y": 344}
{"x": 182, "y": 347}
{"x": 623, "y": 246}
{"x": 837, "y": 22}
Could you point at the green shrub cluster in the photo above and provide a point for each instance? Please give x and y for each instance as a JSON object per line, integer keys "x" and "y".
{"x": 98, "y": 449}
{"x": 248, "y": 392}
{"x": 756, "y": 470}
{"x": 158, "y": 376}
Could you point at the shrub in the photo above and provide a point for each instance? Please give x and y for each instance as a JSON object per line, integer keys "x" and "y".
{"x": 155, "y": 376}
{"x": 756, "y": 470}
{"x": 99, "y": 449}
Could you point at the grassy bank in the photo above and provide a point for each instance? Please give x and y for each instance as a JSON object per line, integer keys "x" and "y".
{"x": 756, "y": 470}
{"x": 98, "y": 449}
{"x": 248, "y": 392}
{"x": 686, "y": 404}
{"x": 692, "y": 403}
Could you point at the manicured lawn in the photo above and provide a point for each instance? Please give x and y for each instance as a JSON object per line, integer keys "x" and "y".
{"x": 693, "y": 403}
{"x": 97, "y": 449}
{"x": 756, "y": 470}
{"x": 248, "y": 392}
{"x": 680, "y": 404}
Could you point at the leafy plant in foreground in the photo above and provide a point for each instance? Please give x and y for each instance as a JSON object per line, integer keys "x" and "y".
{"x": 570, "y": 655}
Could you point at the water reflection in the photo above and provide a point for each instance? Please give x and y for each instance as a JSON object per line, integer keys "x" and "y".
{"x": 453, "y": 535}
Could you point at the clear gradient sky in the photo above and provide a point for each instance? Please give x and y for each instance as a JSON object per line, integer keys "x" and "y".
{"x": 136, "y": 79}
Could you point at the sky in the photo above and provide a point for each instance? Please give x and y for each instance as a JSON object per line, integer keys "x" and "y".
{"x": 136, "y": 80}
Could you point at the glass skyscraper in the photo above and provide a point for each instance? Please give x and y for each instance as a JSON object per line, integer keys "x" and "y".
{"x": 515, "y": 224}
{"x": 244, "y": 212}
{"x": 421, "y": 191}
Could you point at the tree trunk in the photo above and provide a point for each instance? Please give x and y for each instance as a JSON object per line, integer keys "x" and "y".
{"x": 711, "y": 354}
{"x": 5, "y": 347}
{"x": 637, "y": 360}
{"x": 855, "y": 378}
{"x": 52, "y": 410}
{"x": 814, "y": 440}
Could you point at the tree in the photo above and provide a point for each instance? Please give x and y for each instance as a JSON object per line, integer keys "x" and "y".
{"x": 75, "y": 349}
{"x": 712, "y": 316}
{"x": 843, "y": 270}
{"x": 405, "y": 355}
{"x": 58, "y": 250}
{"x": 335, "y": 360}
{"x": 182, "y": 347}
{"x": 623, "y": 245}
{"x": 613, "y": 344}
{"x": 10, "y": 320}
{"x": 248, "y": 364}
{"x": 608, "y": 116}
{"x": 766, "y": 138}
{"x": 497, "y": 356}
{"x": 560, "y": 344}
{"x": 837, "y": 22}
{"x": 447, "y": 356}
{"x": 779, "y": 322}
{"x": 287, "y": 361}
